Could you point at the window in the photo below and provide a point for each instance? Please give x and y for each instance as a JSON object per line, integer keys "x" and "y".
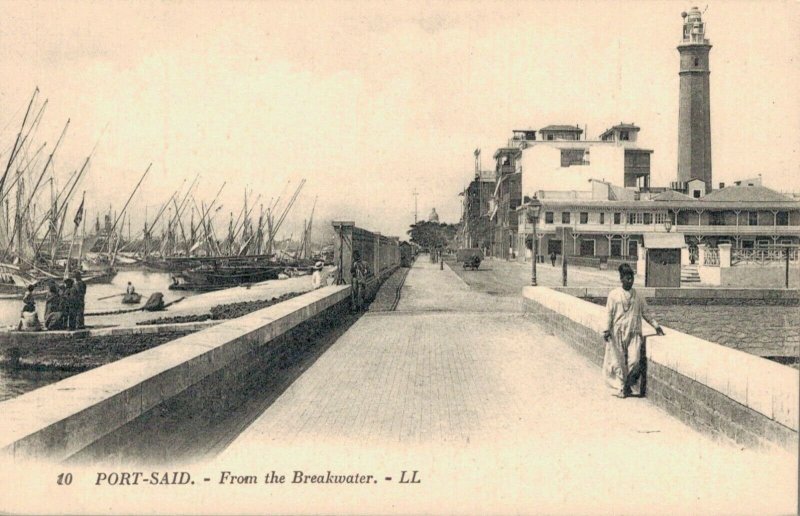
{"x": 762, "y": 242}
{"x": 752, "y": 218}
{"x": 782, "y": 218}
{"x": 602, "y": 218}
{"x": 584, "y": 217}
{"x": 748, "y": 244}
{"x": 624, "y": 136}
{"x": 633, "y": 249}
{"x": 616, "y": 247}
{"x": 550, "y": 137}
{"x": 635, "y": 218}
{"x": 696, "y": 194}
{"x": 660, "y": 218}
{"x": 697, "y": 61}
{"x": 565, "y": 217}
{"x": 648, "y": 218}
{"x": 618, "y": 218}
{"x": 548, "y": 217}
{"x": 571, "y": 157}
{"x": 587, "y": 247}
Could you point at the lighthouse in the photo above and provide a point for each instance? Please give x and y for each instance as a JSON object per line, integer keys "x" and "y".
{"x": 694, "y": 112}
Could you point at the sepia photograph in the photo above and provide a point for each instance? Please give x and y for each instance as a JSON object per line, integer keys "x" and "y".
{"x": 399, "y": 257}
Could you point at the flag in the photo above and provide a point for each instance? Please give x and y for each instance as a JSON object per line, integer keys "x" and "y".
{"x": 79, "y": 214}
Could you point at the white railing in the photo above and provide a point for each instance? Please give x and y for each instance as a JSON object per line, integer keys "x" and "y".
{"x": 711, "y": 257}
{"x": 763, "y": 255}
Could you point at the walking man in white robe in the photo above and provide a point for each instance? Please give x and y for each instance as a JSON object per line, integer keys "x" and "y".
{"x": 626, "y": 309}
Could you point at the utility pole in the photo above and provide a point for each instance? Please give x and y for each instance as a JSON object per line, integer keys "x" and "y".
{"x": 479, "y": 179}
{"x": 415, "y": 194}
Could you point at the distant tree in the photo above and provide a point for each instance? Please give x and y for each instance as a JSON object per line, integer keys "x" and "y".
{"x": 432, "y": 235}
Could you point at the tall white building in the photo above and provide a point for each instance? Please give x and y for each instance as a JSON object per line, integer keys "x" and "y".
{"x": 560, "y": 160}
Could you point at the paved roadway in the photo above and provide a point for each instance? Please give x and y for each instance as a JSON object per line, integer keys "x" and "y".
{"x": 495, "y": 414}
{"x": 507, "y": 277}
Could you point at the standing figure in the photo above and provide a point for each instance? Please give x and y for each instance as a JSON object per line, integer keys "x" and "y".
{"x": 70, "y": 303}
{"x": 358, "y": 271}
{"x": 131, "y": 290}
{"x": 53, "y": 314}
{"x": 623, "y": 360}
{"x": 80, "y": 299}
{"x": 553, "y": 258}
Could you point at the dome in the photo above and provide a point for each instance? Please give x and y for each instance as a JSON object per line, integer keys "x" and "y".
{"x": 433, "y": 217}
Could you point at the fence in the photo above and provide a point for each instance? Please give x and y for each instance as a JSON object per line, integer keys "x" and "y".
{"x": 764, "y": 255}
{"x": 381, "y": 254}
{"x": 763, "y": 267}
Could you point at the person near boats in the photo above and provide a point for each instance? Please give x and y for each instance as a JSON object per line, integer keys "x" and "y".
{"x": 319, "y": 278}
{"x": 28, "y": 303}
{"x": 358, "y": 272}
{"x": 53, "y": 309}
{"x": 71, "y": 303}
{"x": 80, "y": 300}
{"x": 130, "y": 289}
{"x": 29, "y": 319}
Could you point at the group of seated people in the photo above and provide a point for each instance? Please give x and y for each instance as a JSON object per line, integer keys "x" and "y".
{"x": 63, "y": 309}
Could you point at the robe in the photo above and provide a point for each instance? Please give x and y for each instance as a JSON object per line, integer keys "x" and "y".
{"x": 623, "y": 361}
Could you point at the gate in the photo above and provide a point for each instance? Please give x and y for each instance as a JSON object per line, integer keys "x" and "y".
{"x": 663, "y": 268}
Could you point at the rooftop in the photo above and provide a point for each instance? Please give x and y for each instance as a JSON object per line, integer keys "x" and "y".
{"x": 620, "y": 127}
{"x": 570, "y": 128}
{"x": 672, "y": 195}
{"x": 746, "y": 194}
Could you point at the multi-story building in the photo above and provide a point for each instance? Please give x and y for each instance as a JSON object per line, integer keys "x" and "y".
{"x": 605, "y": 222}
{"x": 601, "y": 225}
{"x": 560, "y": 160}
{"x": 476, "y": 229}
{"x": 506, "y": 198}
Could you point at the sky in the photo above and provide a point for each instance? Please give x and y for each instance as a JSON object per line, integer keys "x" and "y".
{"x": 371, "y": 101}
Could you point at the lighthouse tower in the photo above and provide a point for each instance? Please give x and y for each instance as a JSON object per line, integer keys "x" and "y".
{"x": 694, "y": 114}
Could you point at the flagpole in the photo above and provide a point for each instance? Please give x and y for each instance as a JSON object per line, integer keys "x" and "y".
{"x": 78, "y": 218}
{"x": 83, "y": 238}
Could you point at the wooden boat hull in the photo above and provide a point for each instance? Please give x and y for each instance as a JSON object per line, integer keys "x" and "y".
{"x": 131, "y": 299}
{"x": 203, "y": 278}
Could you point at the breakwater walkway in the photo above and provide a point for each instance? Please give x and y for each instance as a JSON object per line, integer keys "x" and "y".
{"x": 495, "y": 415}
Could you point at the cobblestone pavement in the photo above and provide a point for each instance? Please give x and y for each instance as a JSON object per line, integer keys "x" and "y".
{"x": 508, "y": 278}
{"x": 496, "y": 416}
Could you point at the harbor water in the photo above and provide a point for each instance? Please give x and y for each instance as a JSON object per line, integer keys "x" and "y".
{"x": 145, "y": 283}
{"x": 14, "y": 383}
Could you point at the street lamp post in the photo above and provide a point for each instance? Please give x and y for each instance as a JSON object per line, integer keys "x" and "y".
{"x": 533, "y": 208}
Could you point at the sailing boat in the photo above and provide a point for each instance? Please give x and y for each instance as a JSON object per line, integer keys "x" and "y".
{"x": 237, "y": 266}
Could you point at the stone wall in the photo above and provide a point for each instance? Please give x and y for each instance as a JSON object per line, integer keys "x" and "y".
{"x": 61, "y": 419}
{"x": 722, "y": 391}
{"x": 758, "y": 276}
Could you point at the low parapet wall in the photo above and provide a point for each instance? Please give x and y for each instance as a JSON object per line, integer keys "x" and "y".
{"x": 61, "y": 419}
{"x": 708, "y": 295}
{"x": 719, "y": 390}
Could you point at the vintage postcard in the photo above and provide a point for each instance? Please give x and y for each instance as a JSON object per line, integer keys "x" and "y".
{"x": 361, "y": 257}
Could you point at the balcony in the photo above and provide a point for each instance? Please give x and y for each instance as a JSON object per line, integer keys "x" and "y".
{"x": 704, "y": 229}
{"x": 689, "y": 229}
